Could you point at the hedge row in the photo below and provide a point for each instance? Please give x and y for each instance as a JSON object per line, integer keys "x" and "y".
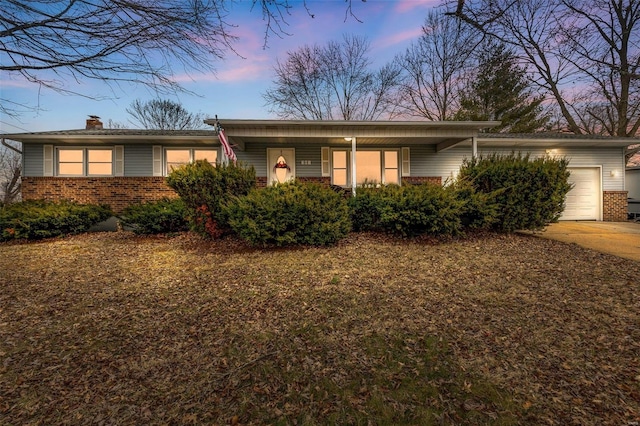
{"x": 505, "y": 193}
{"x": 421, "y": 209}
{"x": 156, "y": 217}
{"x": 41, "y": 219}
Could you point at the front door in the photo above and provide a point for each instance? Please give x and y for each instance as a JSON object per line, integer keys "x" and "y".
{"x": 281, "y": 165}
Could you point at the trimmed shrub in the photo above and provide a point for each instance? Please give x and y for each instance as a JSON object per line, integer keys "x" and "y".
{"x": 206, "y": 189}
{"x": 529, "y": 193}
{"x": 408, "y": 210}
{"x": 290, "y": 213}
{"x": 43, "y": 219}
{"x": 156, "y": 217}
{"x": 480, "y": 210}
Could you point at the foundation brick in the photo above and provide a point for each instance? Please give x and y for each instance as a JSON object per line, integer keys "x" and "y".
{"x": 614, "y": 206}
{"x": 117, "y": 192}
{"x": 261, "y": 181}
{"x": 418, "y": 180}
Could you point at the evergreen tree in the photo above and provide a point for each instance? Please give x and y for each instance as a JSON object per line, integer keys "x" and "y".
{"x": 500, "y": 90}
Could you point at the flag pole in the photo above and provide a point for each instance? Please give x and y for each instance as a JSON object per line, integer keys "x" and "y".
{"x": 224, "y": 142}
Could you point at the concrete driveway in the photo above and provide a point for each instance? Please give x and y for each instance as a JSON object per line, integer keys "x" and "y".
{"x": 618, "y": 238}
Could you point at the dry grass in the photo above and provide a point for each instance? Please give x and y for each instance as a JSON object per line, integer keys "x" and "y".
{"x": 497, "y": 329}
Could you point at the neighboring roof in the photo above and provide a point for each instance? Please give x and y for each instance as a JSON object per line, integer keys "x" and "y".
{"x": 115, "y": 136}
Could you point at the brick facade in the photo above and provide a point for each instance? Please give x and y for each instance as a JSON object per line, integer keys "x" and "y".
{"x": 417, "y": 180}
{"x": 614, "y": 206}
{"x": 261, "y": 181}
{"x": 117, "y": 192}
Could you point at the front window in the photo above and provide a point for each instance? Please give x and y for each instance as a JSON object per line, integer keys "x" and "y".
{"x": 372, "y": 166}
{"x": 340, "y": 170}
{"x": 85, "y": 162}
{"x": 99, "y": 162}
{"x": 177, "y": 157}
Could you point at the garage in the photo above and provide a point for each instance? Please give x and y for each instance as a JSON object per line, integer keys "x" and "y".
{"x": 583, "y": 201}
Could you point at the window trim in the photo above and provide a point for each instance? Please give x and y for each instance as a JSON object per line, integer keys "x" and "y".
{"x": 85, "y": 160}
{"x": 398, "y": 151}
{"x": 191, "y": 150}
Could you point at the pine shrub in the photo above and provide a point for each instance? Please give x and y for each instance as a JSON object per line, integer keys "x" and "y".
{"x": 156, "y": 217}
{"x": 206, "y": 189}
{"x": 409, "y": 210}
{"x": 290, "y": 214}
{"x": 44, "y": 219}
{"x": 529, "y": 193}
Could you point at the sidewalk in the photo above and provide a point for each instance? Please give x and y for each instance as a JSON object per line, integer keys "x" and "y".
{"x": 618, "y": 238}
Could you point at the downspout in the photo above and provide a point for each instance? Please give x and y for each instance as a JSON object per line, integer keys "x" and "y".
{"x": 353, "y": 166}
{"x": 474, "y": 146}
{"x": 13, "y": 148}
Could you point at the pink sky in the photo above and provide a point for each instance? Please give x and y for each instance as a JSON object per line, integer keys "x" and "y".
{"x": 235, "y": 89}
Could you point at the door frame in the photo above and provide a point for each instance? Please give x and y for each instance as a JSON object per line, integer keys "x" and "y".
{"x": 292, "y": 164}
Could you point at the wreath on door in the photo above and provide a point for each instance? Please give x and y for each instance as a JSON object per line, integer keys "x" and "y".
{"x": 281, "y": 163}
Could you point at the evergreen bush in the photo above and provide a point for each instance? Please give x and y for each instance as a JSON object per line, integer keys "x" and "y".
{"x": 409, "y": 210}
{"x": 529, "y": 193}
{"x": 44, "y": 219}
{"x": 156, "y": 217}
{"x": 206, "y": 189}
{"x": 290, "y": 213}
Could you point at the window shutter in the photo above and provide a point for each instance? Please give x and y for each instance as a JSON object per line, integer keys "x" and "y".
{"x": 326, "y": 169}
{"x": 406, "y": 163}
{"x": 118, "y": 160}
{"x": 48, "y": 160}
{"x": 157, "y": 160}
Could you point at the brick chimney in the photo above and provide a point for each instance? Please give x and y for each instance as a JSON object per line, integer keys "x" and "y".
{"x": 94, "y": 123}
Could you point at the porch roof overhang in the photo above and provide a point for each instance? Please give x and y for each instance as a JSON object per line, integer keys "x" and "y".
{"x": 442, "y": 134}
{"x": 551, "y": 140}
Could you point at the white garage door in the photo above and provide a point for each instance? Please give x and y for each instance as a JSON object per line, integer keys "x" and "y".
{"x": 583, "y": 201}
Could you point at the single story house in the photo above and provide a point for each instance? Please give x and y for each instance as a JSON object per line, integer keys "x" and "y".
{"x": 119, "y": 166}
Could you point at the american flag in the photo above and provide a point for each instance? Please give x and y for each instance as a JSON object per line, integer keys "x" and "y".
{"x": 226, "y": 147}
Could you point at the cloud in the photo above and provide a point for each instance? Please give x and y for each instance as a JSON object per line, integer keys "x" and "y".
{"x": 16, "y": 81}
{"x": 398, "y": 38}
{"x": 406, "y": 6}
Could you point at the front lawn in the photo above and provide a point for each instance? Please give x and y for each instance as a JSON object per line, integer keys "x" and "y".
{"x": 112, "y": 328}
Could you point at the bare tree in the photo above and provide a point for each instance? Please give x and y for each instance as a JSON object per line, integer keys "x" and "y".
{"x": 10, "y": 171}
{"x": 164, "y": 114}
{"x": 333, "y": 82}
{"x": 585, "y": 54}
{"x": 48, "y": 42}
{"x": 434, "y": 66}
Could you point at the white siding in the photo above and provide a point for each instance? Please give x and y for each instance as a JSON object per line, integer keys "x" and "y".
{"x": 445, "y": 164}
{"x": 610, "y": 159}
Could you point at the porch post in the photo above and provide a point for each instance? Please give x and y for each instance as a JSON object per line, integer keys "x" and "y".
{"x": 474, "y": 146}
{"x": 353, "y": 165}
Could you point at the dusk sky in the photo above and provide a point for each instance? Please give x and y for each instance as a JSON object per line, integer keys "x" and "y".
{"x": 235, "y": 89}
